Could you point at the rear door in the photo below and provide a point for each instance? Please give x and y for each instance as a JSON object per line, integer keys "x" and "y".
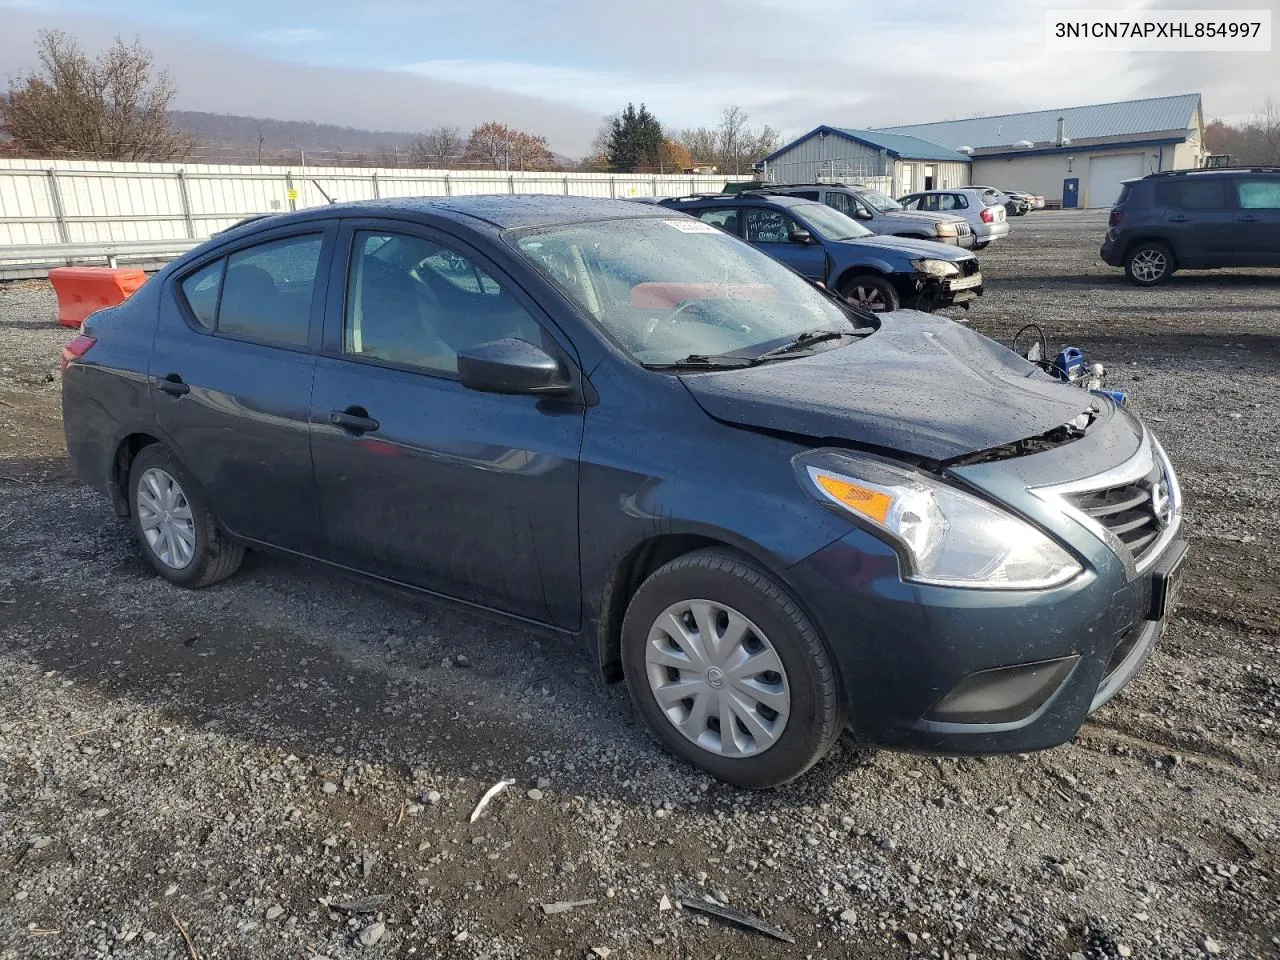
{"x": 771, "y": 230}
{"x": 231, "y": 375}
{"x": 1195, "y": 214}
{"x": 420, "y": 479}
{"x": 1258, "y": 220}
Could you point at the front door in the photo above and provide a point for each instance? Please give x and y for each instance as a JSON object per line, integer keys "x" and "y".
{"x": 231, "y": 374}
{"x": 772, "y": 231}
{"x": 420, "y": 479}
{"x": 1258, "y": 220}
{"x": 1070, "y": 193}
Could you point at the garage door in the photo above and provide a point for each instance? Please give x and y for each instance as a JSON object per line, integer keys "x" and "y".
{"x": 1106, "y": 174}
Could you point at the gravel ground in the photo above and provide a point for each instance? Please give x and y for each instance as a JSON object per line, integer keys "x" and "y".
{"x": 284, "y": 765}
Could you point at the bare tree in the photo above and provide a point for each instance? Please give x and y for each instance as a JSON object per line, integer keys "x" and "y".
{"x": 733, "y": 146}
{"x": 440, "y": 147}
{"x": 112, "y": 108}
{"x": 1257, "y": 141}
{"x": 501, "y": 147}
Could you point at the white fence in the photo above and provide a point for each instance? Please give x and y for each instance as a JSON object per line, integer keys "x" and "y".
{"x": 99, "y": 207}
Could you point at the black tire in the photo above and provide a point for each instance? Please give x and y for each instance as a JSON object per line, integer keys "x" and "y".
{"x": 1149, "y": 263}
{"x": 215, "y": 557}
{"x": 817, "y": 711}
{"x": 981, "y": 244}
{"x": 870, "y": 290}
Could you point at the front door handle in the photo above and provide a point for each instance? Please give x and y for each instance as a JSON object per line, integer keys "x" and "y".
{"x": 355, "y": 419}
{"x": 173, "y": 386}
{"x": 1178, "y": 219}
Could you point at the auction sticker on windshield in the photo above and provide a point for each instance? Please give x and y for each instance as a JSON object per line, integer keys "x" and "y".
{"x": 692, "y": 226}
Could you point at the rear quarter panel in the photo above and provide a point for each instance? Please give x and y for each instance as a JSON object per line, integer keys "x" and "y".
{"x": 105, "y": 394}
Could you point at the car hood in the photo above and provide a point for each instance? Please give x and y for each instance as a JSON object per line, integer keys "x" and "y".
{"x": 913, "y": 247}
{"x": 920, "y": 385}
{"x": 928, "y": 216}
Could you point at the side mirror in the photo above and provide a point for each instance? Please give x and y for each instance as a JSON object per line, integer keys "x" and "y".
{"x": 862, "y": 215}
{"x": 511, "y": 366}
{"x": 801, "y": 236}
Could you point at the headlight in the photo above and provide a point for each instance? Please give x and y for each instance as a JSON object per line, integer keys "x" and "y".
{"x": 946, "y": 229}
{"x": 949, "y": 537}
{"x": 936, "y": 268}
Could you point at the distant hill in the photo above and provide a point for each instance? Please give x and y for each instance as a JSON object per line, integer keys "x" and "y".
{"x": 227, "y": 138}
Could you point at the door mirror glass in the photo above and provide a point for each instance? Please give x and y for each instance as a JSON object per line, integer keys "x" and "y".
{"x": 511, "y": 366}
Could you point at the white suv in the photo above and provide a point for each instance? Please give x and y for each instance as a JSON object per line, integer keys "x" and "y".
{"x": 982, "y": 207}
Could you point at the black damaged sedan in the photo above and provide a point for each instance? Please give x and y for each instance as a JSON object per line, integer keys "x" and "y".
{"x": 774, "y": 515}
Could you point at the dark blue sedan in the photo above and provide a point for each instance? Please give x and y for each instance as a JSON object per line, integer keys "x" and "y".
{"x": 880, "y": 273}
{"x": 775, "y": 515}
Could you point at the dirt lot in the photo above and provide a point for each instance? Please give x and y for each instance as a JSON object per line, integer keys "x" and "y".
{"x": 243, "y": 759}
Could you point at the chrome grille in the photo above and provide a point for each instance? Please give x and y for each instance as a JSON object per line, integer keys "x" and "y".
{"x": 1129, "y": 511}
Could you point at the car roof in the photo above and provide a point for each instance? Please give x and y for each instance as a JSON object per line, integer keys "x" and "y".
{"x": 741, "y": 199}
{"x": 1207, "y": 171}
{"x": 502, "y": 211}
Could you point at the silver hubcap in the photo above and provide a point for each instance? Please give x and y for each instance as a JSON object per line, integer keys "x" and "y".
{"x": 165, "y": 517}
{"x": 868, "y": 297}
{"x": 717, "y": 678}
{"x": 1150, "y": 265}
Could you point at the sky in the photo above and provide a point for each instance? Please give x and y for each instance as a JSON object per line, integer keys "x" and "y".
{"x": 555, "y": 67}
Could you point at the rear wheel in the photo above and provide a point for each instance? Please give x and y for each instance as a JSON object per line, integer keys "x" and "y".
{"x": 174, "y": 524}
{"x": 872, "y": 292}
{"x": 1149, "y": 263}
{"x": 982, "y": 244}
{"x": 729, "y": 672}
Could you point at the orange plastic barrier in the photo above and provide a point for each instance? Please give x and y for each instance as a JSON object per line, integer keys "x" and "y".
{"x": 82, "y": 290}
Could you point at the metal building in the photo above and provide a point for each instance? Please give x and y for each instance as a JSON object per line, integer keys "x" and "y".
{"x": 891, "y": 162}
{"x": 1076, "y": 156}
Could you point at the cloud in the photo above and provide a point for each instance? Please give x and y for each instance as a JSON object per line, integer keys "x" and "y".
{"x": 291, "y": 36}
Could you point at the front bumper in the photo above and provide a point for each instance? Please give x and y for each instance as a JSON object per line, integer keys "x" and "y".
{"x": 948, "y": 670}
{"x": 923, "y": 292}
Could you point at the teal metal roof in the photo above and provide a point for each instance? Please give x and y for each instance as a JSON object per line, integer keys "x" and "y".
{"x": 1129, "y": 118}
{"x": 896, "y": 144}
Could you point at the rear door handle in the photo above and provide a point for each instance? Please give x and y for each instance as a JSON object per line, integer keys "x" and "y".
{"x": 355, "y": 419}
{"x": 1246, "y": 219}
{"x": 173, "y": 386}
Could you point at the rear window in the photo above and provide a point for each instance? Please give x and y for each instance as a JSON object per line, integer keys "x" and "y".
{"x": 1260, "y": 194}
{"x": 267, "y": 292}
{"x": 201, "y": 293}
{"x": 262, "y": 292}
{"x": 1192, "y": 194}
{"x": 1124, "y": 194}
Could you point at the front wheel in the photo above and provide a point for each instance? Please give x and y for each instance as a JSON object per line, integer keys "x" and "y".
{"x": 729, "y": 672}
{"x": 871, "y": 292}
{"x": 1148, "y": 264}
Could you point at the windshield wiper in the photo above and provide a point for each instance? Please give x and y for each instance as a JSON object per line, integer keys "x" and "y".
{"x": 698, "y": 361}
{"x": 806, "y": 339}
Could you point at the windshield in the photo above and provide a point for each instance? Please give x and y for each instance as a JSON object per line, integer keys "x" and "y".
{"x": 667, "y": 289}
{"x": 879, "y": 201}
{"x": 830, "y": 222}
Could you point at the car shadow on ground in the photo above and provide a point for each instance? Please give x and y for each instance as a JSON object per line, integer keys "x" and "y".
{"x": 304, "y": 660}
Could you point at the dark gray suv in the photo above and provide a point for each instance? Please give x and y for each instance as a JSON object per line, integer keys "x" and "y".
{"x": 1195, "y": 220}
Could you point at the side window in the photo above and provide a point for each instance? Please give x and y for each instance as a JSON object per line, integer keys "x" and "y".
{"x": 1188, "y": 194}
{"x": 960, "y": 201}
{"x": 417, "y": 302}
{"x": 267, "y": 292}
{"x": 768, "y": 226}
{"x": 841, "y": 201}
{"x": 910, "y": 203}
{"x": 929, "y": 202}
{"x": 1259, "y": 194}
{"x": 804, "y": 194}
{"x": 726, "y": 220}
{"x": 201, "y": 293}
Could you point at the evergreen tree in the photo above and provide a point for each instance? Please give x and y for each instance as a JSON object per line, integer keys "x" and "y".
{"x": 635, "y": 140}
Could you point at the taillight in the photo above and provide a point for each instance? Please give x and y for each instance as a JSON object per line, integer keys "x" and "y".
{"x": 76, "y": 349}
{"x": 987, "y": 215}
{"x": 1116, "y": 217}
